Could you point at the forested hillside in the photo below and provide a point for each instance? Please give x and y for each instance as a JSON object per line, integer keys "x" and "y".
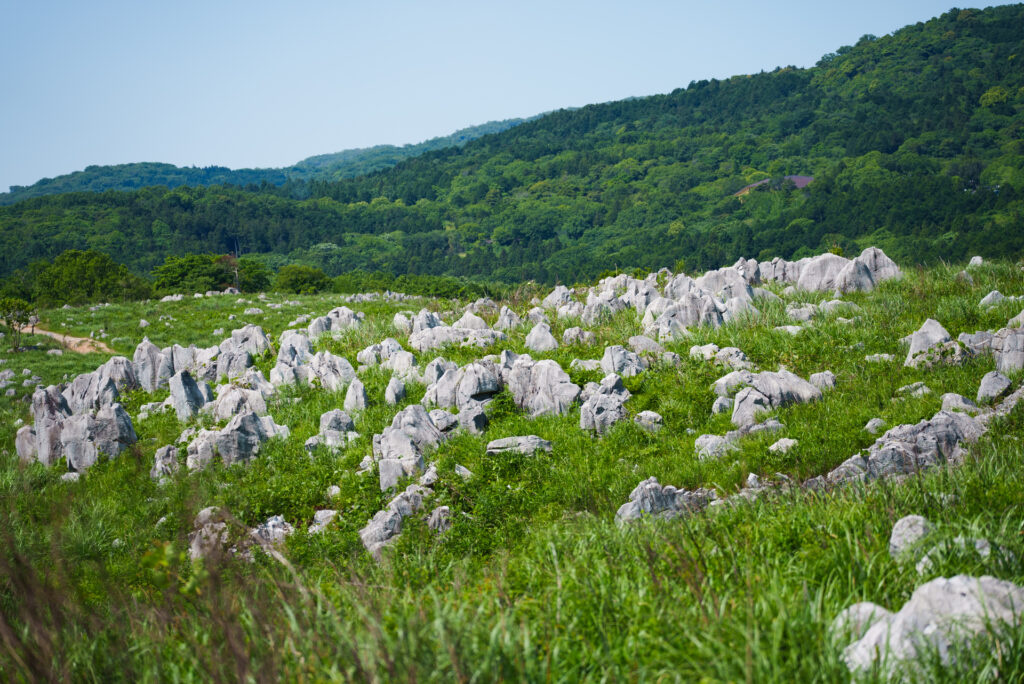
{"x": 344, "y": 164}
{"x": 915, "y": 141}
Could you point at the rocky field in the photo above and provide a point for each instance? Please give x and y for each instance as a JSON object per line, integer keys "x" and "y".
{"x": 794, "y": 471}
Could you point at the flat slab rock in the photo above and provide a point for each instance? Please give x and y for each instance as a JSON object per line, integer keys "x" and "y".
{"x": 526, "y": 445}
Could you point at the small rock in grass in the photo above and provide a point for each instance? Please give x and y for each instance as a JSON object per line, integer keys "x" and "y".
{"x": 783, "y": 446}
{"x": 993, "y": 386}
{"x": 395, "y": 391}
{"x": 721, "y": 405}
{"x": 906, "y": 533}
{"x": 874, "y": 426}
{"x": 956, "y": 402}
{"x": 648, "y": 420}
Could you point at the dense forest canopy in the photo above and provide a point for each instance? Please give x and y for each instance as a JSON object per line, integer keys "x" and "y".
{"x": 915, "y": 141}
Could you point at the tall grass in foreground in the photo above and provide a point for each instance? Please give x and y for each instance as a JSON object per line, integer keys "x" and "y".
{"x": 739, "y": 594}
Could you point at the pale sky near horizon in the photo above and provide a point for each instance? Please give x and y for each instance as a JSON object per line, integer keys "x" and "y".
{"x": 261, "y": 84}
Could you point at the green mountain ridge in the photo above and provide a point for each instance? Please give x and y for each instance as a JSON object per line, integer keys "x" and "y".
{"x": 915, "y": 141}
{"x": 333, "y": 166}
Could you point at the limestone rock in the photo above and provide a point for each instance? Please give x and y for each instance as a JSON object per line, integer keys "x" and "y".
{"x": 648, "y": 421}
{"x": 941, "y": 617}
{"x": 355, "y": 396}
{"x": 187, "y": 397}
{"x": 473, "y": 420}
{"x": 823, "y": 381}
{"x": 993, "y": 386}
{"x": 540, "y": 339}
{"x": 541, "y": 387}
{"x": 907, "y": 532}
{"x": 783, "y": 446}
{"x": 85, "y": 436}
{"x": 956, "y": 402}
{"x": 321, "y": 519}
{"x": 507, "y": 319}
{"x": 932, "y": 344}
{"x": 209, "y": 535}
{"x": 650, "y": 498}
{"x": 578, "y": 336}
{"x": 526, "y": 445}
{"x": 394, "y": 392}
{"x": 874, "y": 426}
{"x": 387, "y": 524}
{"x": 165, "y": 463}
{"x": 622, "y": 362}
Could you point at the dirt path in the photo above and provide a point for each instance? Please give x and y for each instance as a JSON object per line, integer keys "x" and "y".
{"x": 79, "y": 345}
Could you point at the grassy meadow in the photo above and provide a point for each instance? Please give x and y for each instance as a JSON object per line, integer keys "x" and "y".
{"x": 534, "y": 581}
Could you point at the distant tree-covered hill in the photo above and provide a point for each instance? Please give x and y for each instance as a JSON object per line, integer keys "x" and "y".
{"x": 344, "y": 164}
{"x": 915, "y": 141}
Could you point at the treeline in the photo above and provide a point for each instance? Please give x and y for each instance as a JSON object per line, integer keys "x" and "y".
{"x": 914, "y": 140}
{"x": 85, "y": 277}
{"x": 338, "y": 165}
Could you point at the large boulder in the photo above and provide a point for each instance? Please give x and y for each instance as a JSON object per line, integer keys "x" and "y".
{"x": 187, "y": 397}
{"x": 603, "y": 408}
{"x": 165, "y": 462}
{"x": 85, "y": 436}
{"x": 101, "y": 387}
{"x": 471, "y": 385}
{"x": 209, "y": 535}
{"x": 526, "y": 445}
{"x": 931, "y": 344}
{"x": 355, "y": 396}
{"x": 906, "y": 533}
{"x": 541, "y": 387}
{"x": 426, "y": 320}
{"x": 910, "y": 448}
{"x": 993, "y": 386}
{"x": 153, "y": 368}
{"x": 820, "y": 273}
{"x": 232, "y": 400}
{"x": 49, "y": 412}
{"x": 940, "y": 620}
{"x": 433, "y": 338}
{"x": 559, "y": 296}
{"x": 337, "y": 320}
{"x": 400, "y": 448}
{"x": 386, "y": 525}
{"x": 540, "y": 339}
{"x": 237, "y": 352}
{"x": 470, "y": 321}
{"x": 241, "y": 438}
{"x": 621, "y": 361}
{"x": 237, "y": 442}
{"x": 771, "y": 390}
{"x": 651, "y": 499}
{"x": 507, "y": 319}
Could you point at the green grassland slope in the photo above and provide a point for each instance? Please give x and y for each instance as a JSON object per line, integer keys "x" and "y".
{"x": 534, "y": 579}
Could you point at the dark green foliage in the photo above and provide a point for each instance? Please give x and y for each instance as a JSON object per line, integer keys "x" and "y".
{"x": 425, "y": 286}
{"x": 193, "y": 273}
{"x": 76, "y": 277}
{"x": 253, "y": 275}
{"x": 14, "y": 315}
{"x": 299, "y": 279}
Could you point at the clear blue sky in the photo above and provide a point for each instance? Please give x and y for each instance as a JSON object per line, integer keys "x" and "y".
{"x": 246, "y": 84}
